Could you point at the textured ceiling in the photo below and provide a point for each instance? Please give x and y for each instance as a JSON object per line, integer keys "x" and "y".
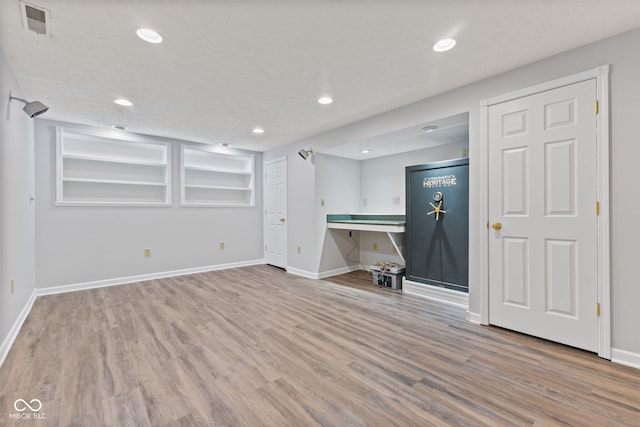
{"x": 447, "y": 130}
{"x": 226, "y": 67}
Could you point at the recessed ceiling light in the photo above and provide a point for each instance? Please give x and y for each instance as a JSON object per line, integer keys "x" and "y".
{"x": 224, "y": 144}
{"x": 149, "y": 35}
{"x": 123, "y": 101}
{"x": 119, "y": 127}
{"x": 444, "y": 45}
{"x": 258, "y": 130}
{"x": 365, "y": 151}
{"x": 325, "y": 100}
{"x": 429, "y": 128}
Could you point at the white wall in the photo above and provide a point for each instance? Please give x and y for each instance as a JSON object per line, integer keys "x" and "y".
{"x": 17, "y": 213}
{"x": 622, "y": 53}
{"x": 383, "y": 178}
{"x": 337, "y": 192}
{"x": 84, "y": 244}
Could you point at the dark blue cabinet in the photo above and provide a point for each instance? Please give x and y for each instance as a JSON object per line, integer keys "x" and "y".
{"x": 437, "y": 229}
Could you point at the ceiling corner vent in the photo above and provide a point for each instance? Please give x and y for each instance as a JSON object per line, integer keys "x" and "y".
{"x": 36, "y": 19}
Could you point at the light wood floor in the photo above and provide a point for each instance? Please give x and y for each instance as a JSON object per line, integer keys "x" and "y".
{"x": 255, "y": 346}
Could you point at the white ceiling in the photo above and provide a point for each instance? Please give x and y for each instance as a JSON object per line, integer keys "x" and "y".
{"x": 447, "y": 130}
{"x": 227, "y": 66}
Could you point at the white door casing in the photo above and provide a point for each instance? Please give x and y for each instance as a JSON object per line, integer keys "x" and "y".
{"x": 276, "y": 212}
{"x": 546, "y": 168}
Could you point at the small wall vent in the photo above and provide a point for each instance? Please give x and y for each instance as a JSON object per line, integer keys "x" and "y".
{"x": 36, "y": 19}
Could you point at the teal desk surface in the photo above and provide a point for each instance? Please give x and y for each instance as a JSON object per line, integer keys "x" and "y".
{"x": 367, "y": 219}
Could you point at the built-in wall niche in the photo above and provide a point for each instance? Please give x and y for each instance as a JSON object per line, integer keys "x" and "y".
{"x": 216, "y": 179}
{"x": 96, "y": 168}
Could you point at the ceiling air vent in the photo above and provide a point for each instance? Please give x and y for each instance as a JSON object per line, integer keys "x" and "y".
{"x": 36, "y": 19}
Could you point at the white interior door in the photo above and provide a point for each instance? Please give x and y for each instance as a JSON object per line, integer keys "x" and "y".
{"x": 276, "y": 213}
{"x": 543, "y": 243}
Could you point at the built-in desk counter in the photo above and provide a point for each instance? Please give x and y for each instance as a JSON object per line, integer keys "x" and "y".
{"x": 393, "y": 225}
{"x": 364, "y": 222}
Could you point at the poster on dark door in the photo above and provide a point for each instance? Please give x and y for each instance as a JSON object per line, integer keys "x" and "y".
{"x": 437, "y": 229}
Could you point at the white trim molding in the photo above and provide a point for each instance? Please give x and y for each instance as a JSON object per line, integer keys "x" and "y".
{"x": 473, "y": 317}
{"x": 624, "y": 357}
{"x": 142, "y": 277}
{"x": 601, "y": 75}
{"x": 337, "y": 271}
{"x": 17, "y": 325}
{"x": 604, "y": 227}
{"x": 435, "y": 293}
{"x": 323, "y": 274}
{"x": 303, "y": 273}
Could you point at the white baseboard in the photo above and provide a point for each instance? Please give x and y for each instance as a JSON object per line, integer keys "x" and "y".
{"x": 303, "y": 273}
{"x": 142, "y": 277}
{"x": 13, "y": 332}
{"x": 323, "y": 274}
{"x": 337, "y": 271}
{"x": 435, "y": 293}
{"x": 624, "y": 357}
{"x": 474, "y": 317}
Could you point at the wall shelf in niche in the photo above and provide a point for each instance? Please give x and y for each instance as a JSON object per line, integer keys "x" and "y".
{"x": 215, "y": 179}
{"x": 95, "y": 168}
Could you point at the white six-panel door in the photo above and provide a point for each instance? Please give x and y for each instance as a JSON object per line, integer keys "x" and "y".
{"x": 276, "y": 213}
{"x": 543, "y": 226}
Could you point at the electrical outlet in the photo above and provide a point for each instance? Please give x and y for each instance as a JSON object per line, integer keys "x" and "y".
{"x": 147, "y": 252}
{"x": 396, "y": 200}
{"x": 321, "y": 202}
{"x": 299, "y": 250}
{"x": 364, "y": 202}
{"x": 375, "y": 246}
{"x": 221, "y": 245}
{"x": 465, "y": 152}
{"x": 11, "y": 286}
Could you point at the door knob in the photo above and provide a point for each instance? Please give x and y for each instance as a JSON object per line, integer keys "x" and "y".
{"x": 496, "y": 226}
{"x": 281, "y": 219}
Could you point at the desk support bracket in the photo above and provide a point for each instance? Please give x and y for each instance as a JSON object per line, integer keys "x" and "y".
{"x": 398, "y": 243}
